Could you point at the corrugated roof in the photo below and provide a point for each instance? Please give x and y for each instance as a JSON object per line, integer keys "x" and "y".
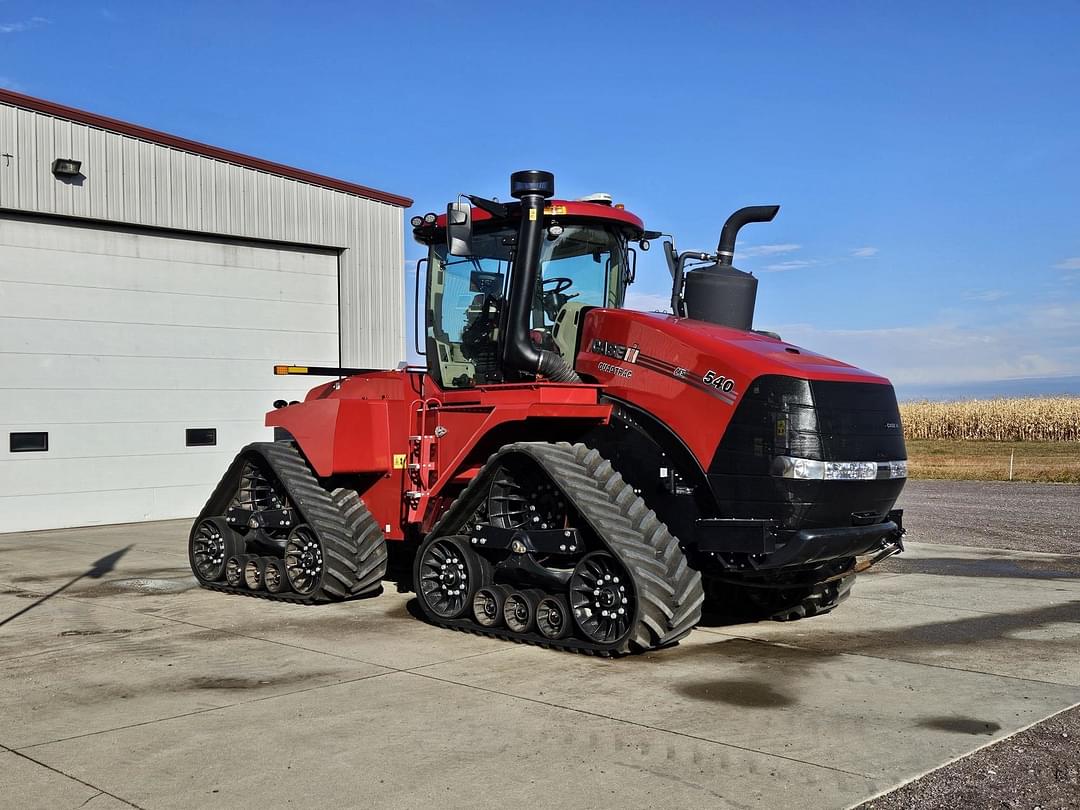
{"x": 155, "y": 136}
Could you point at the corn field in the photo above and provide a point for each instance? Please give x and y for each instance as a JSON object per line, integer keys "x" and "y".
{"x": 1021, "y": 419}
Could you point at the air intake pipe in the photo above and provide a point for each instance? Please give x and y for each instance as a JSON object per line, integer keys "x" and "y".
{"x": 721, "y": 293}
{"x": 532, "y": 188}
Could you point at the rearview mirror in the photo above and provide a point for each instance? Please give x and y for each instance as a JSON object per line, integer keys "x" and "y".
{"x": 459, "y": 229}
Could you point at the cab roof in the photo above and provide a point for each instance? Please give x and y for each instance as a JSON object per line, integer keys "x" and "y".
{"x": 553, "y": 208}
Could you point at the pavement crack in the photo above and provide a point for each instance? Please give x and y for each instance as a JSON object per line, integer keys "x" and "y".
{"x": 74, "y": 778}
{"x": 99, "y": 793}
{"x": 668, "y": 777}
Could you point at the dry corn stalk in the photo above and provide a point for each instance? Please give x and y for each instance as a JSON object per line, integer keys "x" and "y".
{"x": 1044, "y": 419}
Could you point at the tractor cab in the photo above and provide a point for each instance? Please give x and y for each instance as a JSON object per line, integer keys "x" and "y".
{"x": 553, "y": 259}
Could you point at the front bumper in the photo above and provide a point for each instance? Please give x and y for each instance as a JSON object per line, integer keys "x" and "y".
{"x": 772, "y": 548}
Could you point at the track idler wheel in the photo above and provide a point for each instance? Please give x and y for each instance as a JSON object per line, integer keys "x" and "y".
{"x": 602, "y": 597}
{"x": 553, "y": 618}
{"x": 274, "y": 576}
{"x": 488, "y": 605}
{"x": 211, "y": 544}
{"x": 447, "y": 573}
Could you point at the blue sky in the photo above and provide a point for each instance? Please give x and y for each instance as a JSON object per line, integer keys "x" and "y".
{"x": 926, "y": 156}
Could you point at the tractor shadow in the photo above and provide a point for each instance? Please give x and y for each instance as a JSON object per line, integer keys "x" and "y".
{"x": 771, "y": 670}
{"x": 1004, "y": 567}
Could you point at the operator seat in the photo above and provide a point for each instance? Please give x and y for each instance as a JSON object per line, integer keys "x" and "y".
{"x": 567, "y": 327}
{"x": 479, "y": 337}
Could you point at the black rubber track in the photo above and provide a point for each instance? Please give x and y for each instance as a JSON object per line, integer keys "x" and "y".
{"x": 776, "y": 604}
{"x": 820, "y": 599}
{"x": 669, "y": 592}
{"x": 347, "y": 571}
{"x": 368, "y": 542}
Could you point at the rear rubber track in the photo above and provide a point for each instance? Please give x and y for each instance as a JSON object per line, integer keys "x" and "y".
{"x": 820, "y": 600}
{"x": 780, "y": 604}
{"x": 669, "y": 592}
{"x": 354, "y": 550}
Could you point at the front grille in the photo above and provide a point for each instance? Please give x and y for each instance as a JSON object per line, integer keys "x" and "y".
{"x": 821, "y": 421}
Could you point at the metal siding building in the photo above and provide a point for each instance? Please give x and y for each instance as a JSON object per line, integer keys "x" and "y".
{"x": 150, "y": 295}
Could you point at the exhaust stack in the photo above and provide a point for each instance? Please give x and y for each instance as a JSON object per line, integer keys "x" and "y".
{"x": 721, "y": 293}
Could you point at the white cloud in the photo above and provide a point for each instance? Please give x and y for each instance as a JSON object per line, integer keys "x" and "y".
{"x": 766, "y": 250}
{"x": 1043, "y": 341}
{"x": 985, "y": 296}
{"x": 647, "y": 301}
{"x": 864, "y": 252}
{"x": 1069, "y": 264}
{"x": 791, "y": 264}
{"x": 23, "y": 25}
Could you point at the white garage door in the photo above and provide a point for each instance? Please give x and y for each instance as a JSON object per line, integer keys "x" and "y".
{"x": 120, "y": 348}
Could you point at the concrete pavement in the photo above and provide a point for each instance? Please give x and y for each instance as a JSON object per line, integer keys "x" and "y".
{"x": 130, "y": 686}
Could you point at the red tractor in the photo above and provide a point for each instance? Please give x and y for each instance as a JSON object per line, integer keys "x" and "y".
{"x": 565, "y": 471}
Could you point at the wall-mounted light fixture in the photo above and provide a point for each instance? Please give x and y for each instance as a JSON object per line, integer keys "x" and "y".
{"x": 67, "y": 167}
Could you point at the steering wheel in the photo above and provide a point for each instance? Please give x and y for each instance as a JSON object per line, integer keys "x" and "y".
{"x": 562, "y": 284}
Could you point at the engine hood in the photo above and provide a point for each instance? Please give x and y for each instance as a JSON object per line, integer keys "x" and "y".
{"x": 747, "y": 353}
{"x": 765, "y": 354}
{"x": 692, "y": 374}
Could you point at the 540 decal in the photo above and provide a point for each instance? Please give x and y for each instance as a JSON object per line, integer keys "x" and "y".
{"x": 718, "y": 381}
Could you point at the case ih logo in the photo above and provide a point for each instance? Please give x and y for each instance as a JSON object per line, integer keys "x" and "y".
{"x": 713, "y": 382}
{"x": 618, "y": 351}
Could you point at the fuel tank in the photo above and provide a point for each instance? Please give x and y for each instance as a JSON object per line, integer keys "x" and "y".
{"x": 783, "y": 433}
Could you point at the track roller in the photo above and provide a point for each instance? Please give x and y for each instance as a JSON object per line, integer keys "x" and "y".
{"x": 488, "y": 605}
{"x": 553, "y": 617}
{"x": 234, "y": 569}
{"x": 254, "y": 569}
{"x": 274, "y": 575}
{"x": 519, "y": 610}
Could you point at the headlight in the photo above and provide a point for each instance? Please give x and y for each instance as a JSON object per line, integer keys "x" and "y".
{"x": 805, "y": 469}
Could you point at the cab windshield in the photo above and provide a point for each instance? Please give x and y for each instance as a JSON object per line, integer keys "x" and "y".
{"x": 584, "y": 266}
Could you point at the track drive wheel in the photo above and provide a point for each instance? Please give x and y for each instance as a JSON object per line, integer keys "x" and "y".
{"x": 211, "y": 544}
{"x": 446, "y": 575}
